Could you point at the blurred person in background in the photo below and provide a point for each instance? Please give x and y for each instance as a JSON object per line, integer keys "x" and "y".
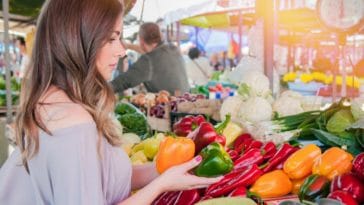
{"x": 198, "y": 68}
{"x": 215, "y": 62}
{"x": 160, "y": 67}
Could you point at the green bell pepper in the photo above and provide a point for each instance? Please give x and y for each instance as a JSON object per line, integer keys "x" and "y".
{"x": 215, "y": 161}
{"x": 314, "y": 187}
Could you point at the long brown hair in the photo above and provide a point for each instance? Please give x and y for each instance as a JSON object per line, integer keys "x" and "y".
{"x": 68, "y": 38}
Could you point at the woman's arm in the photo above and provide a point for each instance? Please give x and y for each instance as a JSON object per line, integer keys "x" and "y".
{"x": 167, "y": 182}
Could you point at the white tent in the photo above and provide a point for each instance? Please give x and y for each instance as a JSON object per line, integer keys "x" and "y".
{"x": 152, "y": 10}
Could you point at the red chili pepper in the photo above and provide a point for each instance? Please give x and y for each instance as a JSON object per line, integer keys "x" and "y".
{"x": 187, "y": 124}
{"x": 350, "y": 183}
{"x": 233, "y": 154}
{"x": 225, "y": 179}
{"x": 239, "y": 191}
{"x": 254, "y": 144}
{"x": 280, "y": 157}
{"x": 204, "y": 135}
{"x": 253, "y": 156}
{"x": 270, "y": 150}
{"x": 166, "y": 198}
{"x": 358, "y": 166}
{"x": 343, "y": 196}
{"x": 188, "y": 197}
{"x": 240, "y": 142}
{"x": 245, "y": 178}
{"x": 206, "y": 197}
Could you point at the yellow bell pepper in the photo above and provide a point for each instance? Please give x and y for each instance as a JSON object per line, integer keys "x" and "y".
{"x": 333, "y": 162}
{"x": 300, "y": 163}
{"x": 231, "y": 132}
{"x": 272, "y": 184}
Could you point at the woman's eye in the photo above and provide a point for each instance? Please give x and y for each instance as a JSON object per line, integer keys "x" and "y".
{"x": 111, "y": 40}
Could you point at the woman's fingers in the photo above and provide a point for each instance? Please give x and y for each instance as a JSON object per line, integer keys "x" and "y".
{"x": 191, "y": 164}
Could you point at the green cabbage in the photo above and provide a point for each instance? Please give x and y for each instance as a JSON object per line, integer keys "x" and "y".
{"x": 340, "y": 121}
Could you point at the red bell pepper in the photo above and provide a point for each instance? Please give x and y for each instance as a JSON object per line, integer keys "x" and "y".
{"x": 239, "y": 191}
{"x": 269, "y": 149}
{"x": 350, "y": 183}
{"x": 188, "y": 197}
{"x": 187, "y": 124}
{"x": 343, "y": 197}
{"x": 253, "y": 156}
{"x": 280, "y": 157}
{"x": 233, "y": 154}
{"x": 242, "y": 142}
{"x": 245, "y": 178}
{"x": 204, "y": 135}
{"x": 358, "y": 166}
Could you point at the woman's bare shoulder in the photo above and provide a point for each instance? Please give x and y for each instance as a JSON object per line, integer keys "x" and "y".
{"x": 57, "y": 111}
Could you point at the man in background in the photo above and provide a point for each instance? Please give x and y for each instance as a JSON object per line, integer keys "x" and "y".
{"x": 161, "y": 67}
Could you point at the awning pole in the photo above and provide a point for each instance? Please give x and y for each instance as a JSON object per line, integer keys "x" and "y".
{"x": 9, "y": 113}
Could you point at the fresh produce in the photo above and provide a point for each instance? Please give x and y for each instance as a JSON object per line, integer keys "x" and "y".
{"x": 357, "y": 108}
{"x": 174, "y": 151}
{"x": 141, "y": 152}
{"x": 188, "y": 197}
{"x": 341, "y": 120}
{"x": 343, "y": 196}
{"x": 300, "y": 163}
{"x": 138, "y": 158}
{"x": 256, "y": 82}
{"x": 215, "y": 161}
{"x": 296, "y": 185}
{"x": 239, "y": 191}
{"x": 280, "y": 157}
{"x": 289, "y": 103}
{"x": 132, "y": 120}
{"x": 187, "y": 124}
{"x": 255, "y": 109}
{"x": 333, "y": 162}
{"x": 206, "y": 134}
{"x": 231, "y": 106}
{"x": 237, "y": 178}
{"x": 313, "y": 188}
{"x": 358, "y": 166}
{"x": 350, "y": 183}
{"x": 231, "y": 132}
{"x": 272, "y": 184}
{"x": 252, "y": 156}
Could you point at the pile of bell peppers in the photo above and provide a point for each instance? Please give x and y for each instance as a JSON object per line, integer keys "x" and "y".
{"x": 249, "y": 165}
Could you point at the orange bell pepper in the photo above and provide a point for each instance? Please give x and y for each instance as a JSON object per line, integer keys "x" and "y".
{"x": 333, "y": 162}
{"x": 299, "y": 164}
{"x": 272, "y": 184}
{"x": 174, "y": 151}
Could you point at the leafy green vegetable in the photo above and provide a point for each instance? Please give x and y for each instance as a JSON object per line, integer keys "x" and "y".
{"x": 349, "y": 142}
{"x": 340, "y": 121}
{"x": 134, "y": 123}
{"x": 125, "y": 108}
{"x": 132, "y": 120}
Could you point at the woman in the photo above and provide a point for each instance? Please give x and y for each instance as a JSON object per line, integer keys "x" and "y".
{"x": 67, "y": 143}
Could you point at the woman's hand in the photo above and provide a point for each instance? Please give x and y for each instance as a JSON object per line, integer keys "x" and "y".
{"x": 175, "y": 178}
{"x": 178, "y": 177}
